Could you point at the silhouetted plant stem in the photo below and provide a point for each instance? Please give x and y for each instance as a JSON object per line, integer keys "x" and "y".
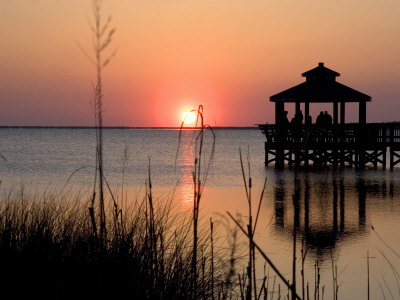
{"x": 196, "y": 202}
{"x": 270, "y": 263}
{"x": 303, "y": 258}
{"x": 152, "y": 238}
{"x": 241, "y": 287}
{"x": 296, "y": 199}
{"x": 273, "y": 287}
{"x": 102, "y": 37}
{"x": 199, "y": 180}
{"x": 262, "y": 289}
{"x": 294, "y": 265}
{"x": 251, "y": 262}
{"x": 317, "y": 278}
{"x": 212, "y": 257}
{"x": 99, "y": 114}
{"x": 336, "y": 284}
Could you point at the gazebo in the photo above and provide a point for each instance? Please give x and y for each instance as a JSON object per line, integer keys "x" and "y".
{"x": 335, "y": 142}
{"x": 321, "y": 87}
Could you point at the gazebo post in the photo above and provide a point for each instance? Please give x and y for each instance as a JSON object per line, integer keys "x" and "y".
{"x": 297, "y": 137}
{"x": 279, "y": 154}
{"x": 306, "y": 110}
{"x": 279, "y": 109}
{"x": 334, "y": 146}
{"x": 362, "y": 113}
{"x": 306, "y": 116}
{"x": 335, "y": 112}
{"x": 297, "y": 107}
{"x": 342, "y": 112}
{"x": 342, "y": 121}
{"x": 362, "y": 118}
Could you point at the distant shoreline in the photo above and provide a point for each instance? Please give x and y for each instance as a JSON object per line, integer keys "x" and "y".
{"x": 126, "y": 127}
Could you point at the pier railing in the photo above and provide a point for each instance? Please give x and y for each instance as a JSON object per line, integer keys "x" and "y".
{"x": 370, "y": 135}
{"x": 356, "y": 143}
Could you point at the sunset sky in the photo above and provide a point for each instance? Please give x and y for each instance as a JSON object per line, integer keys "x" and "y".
{"x": 228, "y": 55}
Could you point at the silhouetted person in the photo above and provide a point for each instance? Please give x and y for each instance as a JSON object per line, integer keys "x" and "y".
{"x": 328, "y": 119}
{"x": 308, "y": 121}
{"x": 320, "y": 120}
{"x": 296, "y": 125}
{"x": 297, "y": 119}
{"x": 284, "y": 119}
{"x": 283, "y": 125}
{"x": 300, "y": 117}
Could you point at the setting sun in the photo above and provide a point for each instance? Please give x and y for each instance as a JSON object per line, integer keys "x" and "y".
{"x": 188, "y": 117}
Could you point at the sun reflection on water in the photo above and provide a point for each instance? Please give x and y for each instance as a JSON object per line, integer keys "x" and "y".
{"x": 187, "y": 157}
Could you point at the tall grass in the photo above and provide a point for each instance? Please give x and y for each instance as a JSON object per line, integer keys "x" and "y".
{"x": 102, "y": 35}
{"x": 199, "y": 175}
{"x": 48, "y": 250}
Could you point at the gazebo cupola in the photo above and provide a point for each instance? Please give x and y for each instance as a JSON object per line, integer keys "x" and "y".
{"x": 321, "y": 87}
{"x": 320, "y": 74}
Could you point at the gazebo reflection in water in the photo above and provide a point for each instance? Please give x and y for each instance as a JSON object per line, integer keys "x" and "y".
{"x": 323, "y": 212}
{"x": 328, "y": 143}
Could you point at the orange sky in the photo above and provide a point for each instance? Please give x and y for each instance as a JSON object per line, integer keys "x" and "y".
{"x": 228, "y": 55}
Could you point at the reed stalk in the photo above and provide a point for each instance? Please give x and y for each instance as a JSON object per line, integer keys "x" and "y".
{"x": 102, "y": 36}
{"x": 303, "y": 258}
{"x": 267, "y": 259}
{"x": 200, "y": 174}
{"x": 212, "y": 257}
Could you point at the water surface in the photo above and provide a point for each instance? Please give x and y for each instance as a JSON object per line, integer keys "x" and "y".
{"x": 332, "y": 213}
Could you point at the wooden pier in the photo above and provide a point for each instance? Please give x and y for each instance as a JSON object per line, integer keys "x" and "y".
{"x": 328, "y": 141}
{"x": 340, "y": 145}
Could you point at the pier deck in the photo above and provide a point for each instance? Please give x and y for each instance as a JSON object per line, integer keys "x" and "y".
{"x": 337, "y": 145}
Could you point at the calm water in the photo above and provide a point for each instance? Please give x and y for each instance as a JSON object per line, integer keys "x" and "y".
{"x": 334, "y": 214}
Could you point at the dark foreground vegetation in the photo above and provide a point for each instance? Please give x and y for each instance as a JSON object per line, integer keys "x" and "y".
{"x": 49, "y": 249}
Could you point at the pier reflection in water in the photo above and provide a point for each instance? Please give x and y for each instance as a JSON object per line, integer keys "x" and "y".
{"x": 326, "y": 211}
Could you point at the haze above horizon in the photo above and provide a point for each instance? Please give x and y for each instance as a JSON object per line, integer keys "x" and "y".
{"x": 230, "y": 56}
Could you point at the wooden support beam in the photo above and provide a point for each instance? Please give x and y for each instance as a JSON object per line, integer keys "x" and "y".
{"x": 351, "y": 157}
{"x": 394, "y": 158}
{"x": 279, "y": 109}
{"x": 342, "y": 112}
{"x": 391, "y": 160}
{"x": 362, "y": 112}
{"x": 298, "y": 107}
{"x": 306, "y": 111}
{"x": 362, "y": 134}
{"x": 384, "y": 158}
{"x": 306, "y": 158}
{"x": 335, "y": 112}
{"x": 361, "y": 159}
{"x": 342, "y": 157}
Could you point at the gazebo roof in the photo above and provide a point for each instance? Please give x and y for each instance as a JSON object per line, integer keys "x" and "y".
{"x": 320, "y": 70}
{"x": 320, "y": 87}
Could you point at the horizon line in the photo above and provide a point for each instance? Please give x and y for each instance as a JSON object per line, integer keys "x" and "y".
{"x": 121, "y": 127}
